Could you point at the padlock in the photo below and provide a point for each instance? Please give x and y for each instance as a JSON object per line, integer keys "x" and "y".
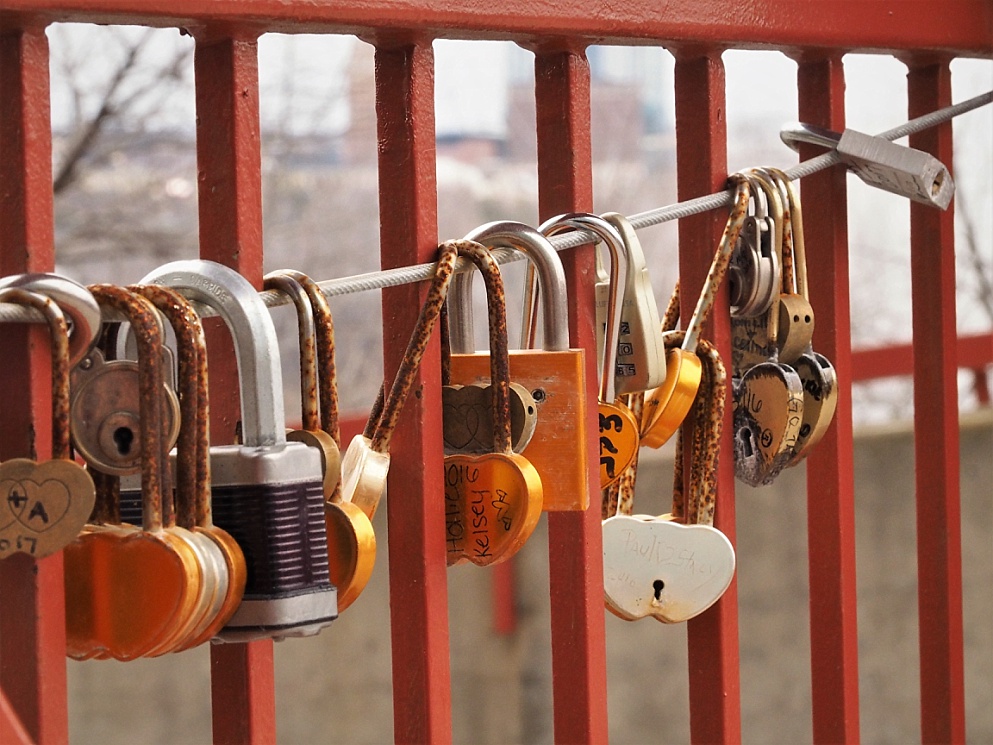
{"x": 224, "y": 570}
{"x": 817, "y": 374}
{"x": 618, "y": 433}
{"x": 77, "y": 303}
{"x": 754, "y": 273}
{"x": 127, "y": 589}
{"x": 351, "y": 538}
{"x": 640, "y": 349}
{"x": 266, "y": 492}
{"x": 878, "y": 162}
{"x": 467, "y": 410}
{"x": 618, "y": 497}
{"x": 796, "y": 316}
{"x": 44, "y": 506}
{"x": 554, "y": 374}
{"x": 493, "y": 501}
{"x": 310, "y": 433}
{"x": 105, "y": 412}
{"x": 667, "y": 406}
{"x": 367, "y": 460}
{"x": 675, "y": 566}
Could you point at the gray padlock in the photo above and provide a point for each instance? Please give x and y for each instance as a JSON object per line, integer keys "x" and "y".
{"x": 267, "y": 492}
{"x": 894, "y": 168}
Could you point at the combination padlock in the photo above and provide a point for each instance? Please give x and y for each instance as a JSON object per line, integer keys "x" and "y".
{"x": 554, "y": 373}
{"x": 493, "y": 501}
{"x": 267, "y": 492}
{"x": 618, "y": 428}
{"x": 640, "y": 350}
{"x": 44, "y": 506}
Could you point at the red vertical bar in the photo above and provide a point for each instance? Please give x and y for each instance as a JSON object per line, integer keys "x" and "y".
{"x": 229, "y": 168}
{"x": 32, "y": 609}
{"x": 575, "y": 556}
{"x": 409, "y": 235}
{"x": 701, "y": 168}
{"x": 936, "y": 429}
{"x": 830, "y": 471}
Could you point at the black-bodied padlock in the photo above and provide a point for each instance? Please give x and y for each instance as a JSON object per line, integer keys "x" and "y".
{"x": 266, "y": 492}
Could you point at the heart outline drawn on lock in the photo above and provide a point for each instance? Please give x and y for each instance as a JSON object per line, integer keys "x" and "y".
{"x": 46, "y": 503}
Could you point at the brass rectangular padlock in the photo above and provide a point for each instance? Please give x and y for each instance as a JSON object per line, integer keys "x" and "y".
{"x": 554, "y": 375}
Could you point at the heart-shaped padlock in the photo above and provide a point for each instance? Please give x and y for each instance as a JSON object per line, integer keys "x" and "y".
{"x": 128, "y": 590}
{"x": 44, "y": 506}
{"x": 618, "y": 427}
{"x": 668, "y": 405}
{"x": 492, "y": 501}
{"x": 224, "y": 568}
{"x": 675, "y": 566}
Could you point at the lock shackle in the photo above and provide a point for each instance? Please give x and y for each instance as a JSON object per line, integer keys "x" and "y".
{"x": 799, "y": 257}
{"x": 719, "y": 266}
{"x": 307, "y": 339}
{"x": 763, "y": 182}
{"x": 193, "y": 443}
{"x": 496, "y": 306}
{"x": 794, "y": 133}
{"x": 59, "y": 331}
{"x": 386, "y": 411}
{"x": 74, "y": 300}
{"x": 327, "y": 372}
{"x": 551, "y": 283}
{"x": 146, "y": 326}
{"x": 255, "y": 343}
{"x": 610, "y": 236}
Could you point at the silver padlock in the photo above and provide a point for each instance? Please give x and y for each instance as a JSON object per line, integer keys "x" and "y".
{"x": 894, "y": 168}
{"x": 267, "y": 492}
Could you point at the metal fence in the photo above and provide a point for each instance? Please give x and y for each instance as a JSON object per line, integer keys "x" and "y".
{"x": 816, "y": 35}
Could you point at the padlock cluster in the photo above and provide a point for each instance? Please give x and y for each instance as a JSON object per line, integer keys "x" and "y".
{"x": 171, "y": 541}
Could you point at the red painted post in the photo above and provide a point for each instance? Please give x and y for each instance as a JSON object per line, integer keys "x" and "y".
{"x": 409, "y": 235}
{"x": 575, "y": 554}
{"x": 229, "y": 174}
{"x": 32, "y": 609}
{"x": 936, "y": 428}
{"x": 701, "y": 167}
{"x": 830, "y": 468}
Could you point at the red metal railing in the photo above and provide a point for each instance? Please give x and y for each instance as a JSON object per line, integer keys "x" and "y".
{"x": 32, "y": 659}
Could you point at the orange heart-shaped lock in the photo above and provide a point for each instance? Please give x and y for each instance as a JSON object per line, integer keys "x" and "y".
{"x": 128, "y": 590}
{"x": 675, "y": 566}
{"x": 667, "y": 406}
{"x": 492, "y": 501}
{"x": 44, "y": 506}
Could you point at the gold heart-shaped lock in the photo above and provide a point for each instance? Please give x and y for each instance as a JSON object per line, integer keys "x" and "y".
{"x": 128, "y": 590}
{"x": 492, "y": 501}
{"x": 44, "y": 506}
{"x": 675, "y": 566}
{"x": 768, "y": 412}
{"x": 467, "y": 417}
{"x": 668, "y": 405}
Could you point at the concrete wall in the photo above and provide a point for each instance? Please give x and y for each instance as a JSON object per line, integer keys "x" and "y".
{"x": 337, "y": 687}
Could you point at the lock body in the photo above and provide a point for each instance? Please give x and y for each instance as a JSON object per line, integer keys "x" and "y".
{"x": 557, "y": 381}
{"x": 271, "y": 500}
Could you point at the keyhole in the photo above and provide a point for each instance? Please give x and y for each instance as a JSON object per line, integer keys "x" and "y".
{"x": 746, "y": 441}
{"x": 123, "y": 438}
{"x": 659, "y": 585}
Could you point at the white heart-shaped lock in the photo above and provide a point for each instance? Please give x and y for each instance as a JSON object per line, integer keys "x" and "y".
{"x": 660, "y": 568}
